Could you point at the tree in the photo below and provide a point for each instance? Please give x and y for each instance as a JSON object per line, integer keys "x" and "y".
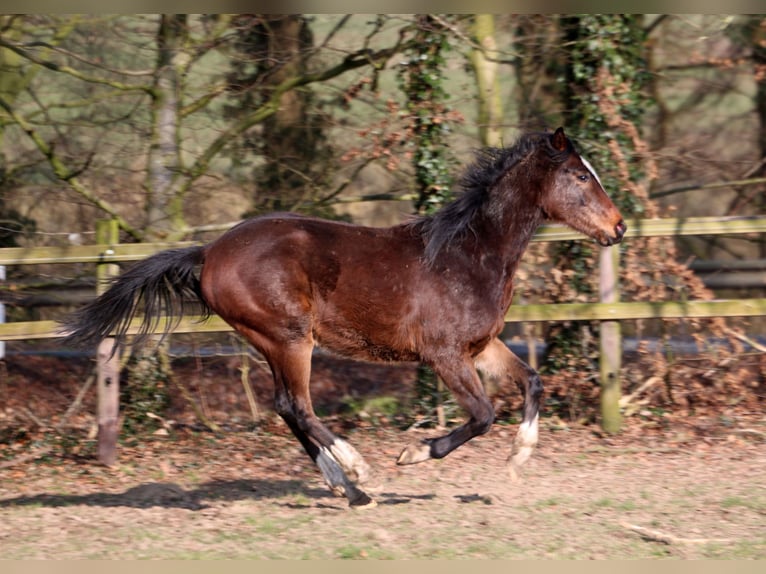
{"x": 170, "y": 76}
{"x": 295, "y": 156}
{"x": 164, "y": 175}
{"x": 604, "y": 98}
{"x": 536, "y": 41}
{"x": 750, "y": 37}
{"x": 15, "y": 78}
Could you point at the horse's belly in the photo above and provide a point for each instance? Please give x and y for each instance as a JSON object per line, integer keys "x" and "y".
{"x": 373, "y": 344}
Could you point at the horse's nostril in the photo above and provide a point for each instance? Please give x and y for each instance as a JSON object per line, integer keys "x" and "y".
{"x": 620, "y": 229}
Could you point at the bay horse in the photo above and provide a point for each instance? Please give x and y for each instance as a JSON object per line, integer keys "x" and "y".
{"x": 434, "y": 289}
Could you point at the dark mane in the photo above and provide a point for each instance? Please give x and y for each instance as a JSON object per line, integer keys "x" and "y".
{"x": 454, "y": 221}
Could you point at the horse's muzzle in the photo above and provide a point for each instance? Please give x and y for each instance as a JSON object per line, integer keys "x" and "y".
{"x": 619, "y": 233}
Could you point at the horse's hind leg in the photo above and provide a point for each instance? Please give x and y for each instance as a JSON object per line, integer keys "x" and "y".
{"x": 335, "y": 458}
{"x": 497, "y": 359}
{"x": 462, "y": 380}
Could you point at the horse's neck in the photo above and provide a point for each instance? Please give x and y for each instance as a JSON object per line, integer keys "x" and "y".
{"x": 509, "y": 227}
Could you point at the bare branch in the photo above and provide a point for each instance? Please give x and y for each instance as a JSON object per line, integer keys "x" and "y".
{"x": 719, "y": 184}
{"x": 73, "y": 55}
{"x": 203, "y": 101}
{"x": 331, "y": 34}
{"x": 351, "y": 62}
{"x": 489, "y": 55}
{"x": 346, "y": 182}
{"x": 50, "y": 65}
{"x": 655, "y": 23}
{"x": 65, "y": 174}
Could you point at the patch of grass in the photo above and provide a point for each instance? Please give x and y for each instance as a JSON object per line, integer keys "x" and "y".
{"x": 743, "y": 550}
{"x": 267, "y": 527}
{"x": 299, "y": 499}
{"x": 754, "y": 503}
{"x": 616, "y": 504}
{"x": 626, "y": 505}
{"x": 548, "y": 502}
{"x": 661, "y": 551}
{"x": 379, "y": 410}
{"x": 691, "y": 492}
{"x": 351, "y": 552}
{"x": 604, "y": 503}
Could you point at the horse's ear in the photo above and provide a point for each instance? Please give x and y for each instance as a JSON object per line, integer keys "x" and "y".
{"x": 559, "y": 140}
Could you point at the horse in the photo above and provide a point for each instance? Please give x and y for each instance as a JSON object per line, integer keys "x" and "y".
{"x": 433, "y": 289}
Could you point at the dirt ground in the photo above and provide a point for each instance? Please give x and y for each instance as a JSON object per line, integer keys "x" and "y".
{"x": 685, "y": 489}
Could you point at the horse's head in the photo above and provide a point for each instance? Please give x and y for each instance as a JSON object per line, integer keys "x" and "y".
{"x": 576, "y": 197}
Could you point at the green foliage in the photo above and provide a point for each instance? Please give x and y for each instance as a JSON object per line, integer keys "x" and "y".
{"x": 421, "y": 78}
{"x": 604, "y": 88}
{"x": 145, "y": 393}
{"x": 378, "y": 410}
{"x": 429, "y": 395}
{"x": 615, "y": 44}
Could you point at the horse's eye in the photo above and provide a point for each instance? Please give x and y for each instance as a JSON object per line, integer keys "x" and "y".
{"x": 583, "y": 177}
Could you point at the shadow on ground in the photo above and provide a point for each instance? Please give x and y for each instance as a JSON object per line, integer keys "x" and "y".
{"x": 171, "y": 495}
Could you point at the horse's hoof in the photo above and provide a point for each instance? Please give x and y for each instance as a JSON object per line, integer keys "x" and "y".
{"x": 362, "y": 502}
{"x": 415, "y": 452}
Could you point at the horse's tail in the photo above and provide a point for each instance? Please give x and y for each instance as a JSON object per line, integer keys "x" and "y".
{"x": 158, "y": 286}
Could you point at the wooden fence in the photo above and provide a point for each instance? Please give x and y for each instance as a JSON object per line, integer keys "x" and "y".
{"x": 119, "y": 253}
{"x": 610, "y": 310}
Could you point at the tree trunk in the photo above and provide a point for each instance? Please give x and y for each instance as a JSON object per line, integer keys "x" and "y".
{"x": 757, "y": 25}
{"x": 297, "y": 159}
{"x": 289, "y": 140}
{"x": 164, "y": 215}
{"x": 488, "y": 86}
{"x": 536, "y": 39}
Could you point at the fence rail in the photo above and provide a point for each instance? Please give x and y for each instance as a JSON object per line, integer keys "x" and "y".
{"x": 26, "y": 330}
{"x": 122, "y": 252}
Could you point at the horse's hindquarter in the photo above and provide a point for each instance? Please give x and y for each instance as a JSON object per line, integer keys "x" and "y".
{"x": 284, "y": 276}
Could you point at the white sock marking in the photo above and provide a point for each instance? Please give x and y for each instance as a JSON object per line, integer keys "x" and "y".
{"x": 350, "y": 460}
{"x": 523, "y": 445}
{"x": 527, "y": 433}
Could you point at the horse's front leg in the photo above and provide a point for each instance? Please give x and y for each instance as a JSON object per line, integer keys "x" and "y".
{"x": 497, "y": 359}
{"x": 461, "y": 379}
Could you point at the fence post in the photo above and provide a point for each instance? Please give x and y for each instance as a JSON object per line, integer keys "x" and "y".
{"x": 108, "y": 363}
{"x": 611, "y": 341}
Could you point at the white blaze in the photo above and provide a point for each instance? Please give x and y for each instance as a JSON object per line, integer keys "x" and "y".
{"x": 592, "y": 171}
